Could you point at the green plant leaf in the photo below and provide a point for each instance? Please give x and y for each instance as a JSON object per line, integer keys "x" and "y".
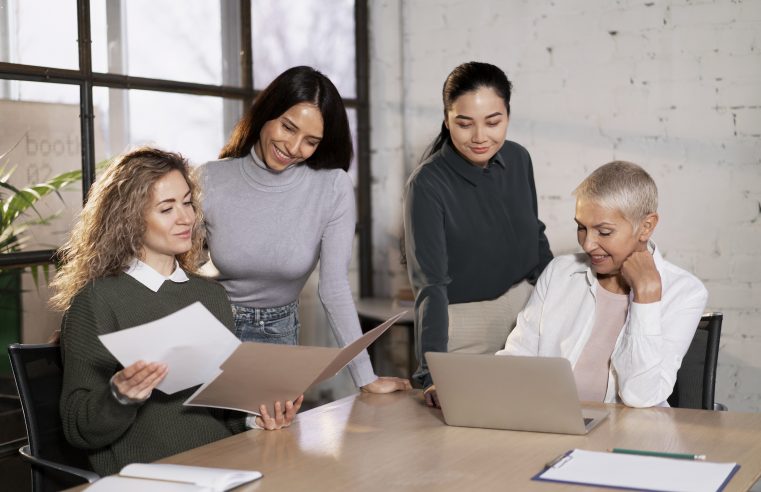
{"x": 15, "y": 203}
{"x": 23, "y": 199}
{"x": 17, "y": 193}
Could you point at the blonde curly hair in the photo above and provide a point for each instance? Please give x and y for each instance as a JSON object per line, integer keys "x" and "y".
{"x": 111, "y": 226}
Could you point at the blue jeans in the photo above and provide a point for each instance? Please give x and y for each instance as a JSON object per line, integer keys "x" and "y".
{"x": 267, "y": 325}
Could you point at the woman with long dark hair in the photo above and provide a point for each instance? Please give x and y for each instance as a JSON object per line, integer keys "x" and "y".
{"x": 473, "y": 237}
{"x": 279, "y": 201}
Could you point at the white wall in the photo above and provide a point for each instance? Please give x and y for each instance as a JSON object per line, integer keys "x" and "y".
{"x": 672, "y": 85}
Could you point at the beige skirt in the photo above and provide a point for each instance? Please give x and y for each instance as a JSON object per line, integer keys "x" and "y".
{"x": 482, "y": 327}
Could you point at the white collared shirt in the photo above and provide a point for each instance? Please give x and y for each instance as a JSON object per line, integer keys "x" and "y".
{"x": 558, "y": 320}
{"x": 152, "y": 279}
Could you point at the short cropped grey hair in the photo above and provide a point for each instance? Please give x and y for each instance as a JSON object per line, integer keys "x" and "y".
{"x": 623, "y": 186}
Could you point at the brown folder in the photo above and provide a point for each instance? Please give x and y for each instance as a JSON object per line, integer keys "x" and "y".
{"x": 262, "y": 373}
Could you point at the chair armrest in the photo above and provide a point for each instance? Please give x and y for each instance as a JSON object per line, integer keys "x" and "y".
{"x": 78, "y": 472}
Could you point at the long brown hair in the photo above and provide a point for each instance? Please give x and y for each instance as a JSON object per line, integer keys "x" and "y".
{"x": 111, "y": 226}
{"x": 298, "y": 85}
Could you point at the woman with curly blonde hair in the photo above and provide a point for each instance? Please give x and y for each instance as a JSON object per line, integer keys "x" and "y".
{"x": 110, "y": 229}
{"x": 131, "y": 260}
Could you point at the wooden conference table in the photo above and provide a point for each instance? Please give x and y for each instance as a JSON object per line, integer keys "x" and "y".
{"x": 393, "y": 442}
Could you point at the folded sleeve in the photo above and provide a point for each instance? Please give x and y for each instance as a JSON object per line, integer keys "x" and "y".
{"x": 91, "y": 416}
{"x": 543, "y": 244}
{"x": 427, "y": 267}
{"x": 334, "y": 289}
{"x": 654, "y": 342}
{"x": 524, "y": 339}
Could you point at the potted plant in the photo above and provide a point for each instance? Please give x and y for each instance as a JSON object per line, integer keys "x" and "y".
{"x": 17, "y": 214}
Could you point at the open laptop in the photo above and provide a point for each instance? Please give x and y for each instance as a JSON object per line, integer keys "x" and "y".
{"x": 510, "y": 392}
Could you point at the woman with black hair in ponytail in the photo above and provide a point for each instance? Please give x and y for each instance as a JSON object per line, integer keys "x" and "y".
{"x": 474, "y": 241}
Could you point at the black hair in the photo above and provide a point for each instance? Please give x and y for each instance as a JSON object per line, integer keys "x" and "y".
{"x": 297, "y": 85}
{"x": 465, "y": 78}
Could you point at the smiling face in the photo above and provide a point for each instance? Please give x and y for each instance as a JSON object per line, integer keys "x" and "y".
{"x": 608, "y": 237}
{"x": 477, "y": 123}
{"x": 290, "y": 138}
{"x": 169, "y": 221}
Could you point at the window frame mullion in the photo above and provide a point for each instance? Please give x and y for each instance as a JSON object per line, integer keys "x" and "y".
{"x": 87, "y": 80}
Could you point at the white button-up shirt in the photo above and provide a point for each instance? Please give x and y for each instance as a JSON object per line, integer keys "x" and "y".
{"x": 152, "y": 279}
{"x": 559, "y": 317}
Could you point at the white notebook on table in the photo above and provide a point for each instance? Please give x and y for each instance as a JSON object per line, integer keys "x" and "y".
{"x": 158, "y": 477}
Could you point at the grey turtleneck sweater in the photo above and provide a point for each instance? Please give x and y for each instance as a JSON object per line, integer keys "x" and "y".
{"x": 267, "y": 230}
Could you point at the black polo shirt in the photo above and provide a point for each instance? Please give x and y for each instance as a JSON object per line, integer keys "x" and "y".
{"x": 471, "y": 233}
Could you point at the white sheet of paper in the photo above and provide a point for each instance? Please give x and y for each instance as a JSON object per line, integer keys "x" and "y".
{"x": 191, "y": 341}
{"x": 216, "y": 479}
{"x": 116, "y": 483}
{"x": 639, "y": 472}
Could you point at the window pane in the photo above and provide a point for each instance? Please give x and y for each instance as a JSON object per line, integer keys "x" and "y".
{"x": 99, "y": 33}
{"x": 42, "y": 140}
{"x": 21, "y": 25}
{"x": 161, "y": 39}
{"x": 191, "y": 125}
{"x": 319, "y": 33}
{"x": 39, "y": 91}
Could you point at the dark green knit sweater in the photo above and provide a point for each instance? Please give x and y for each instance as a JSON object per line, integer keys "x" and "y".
{"x": 115, "y": 435}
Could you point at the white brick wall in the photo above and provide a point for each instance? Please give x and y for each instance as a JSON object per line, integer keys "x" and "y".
{"x": 672, "y": 85}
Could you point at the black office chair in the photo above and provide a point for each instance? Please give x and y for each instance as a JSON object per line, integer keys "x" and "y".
{"x": 56, "y": 465}
{"x": 696, "y": 379}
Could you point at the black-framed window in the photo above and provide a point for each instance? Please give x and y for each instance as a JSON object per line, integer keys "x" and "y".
{"x": 108, "y": 75}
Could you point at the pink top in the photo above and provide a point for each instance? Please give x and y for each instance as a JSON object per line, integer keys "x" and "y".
{"x": 591, "y": 370}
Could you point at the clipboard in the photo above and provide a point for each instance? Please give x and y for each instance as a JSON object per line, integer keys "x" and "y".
{"x": 633, "y": 472}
